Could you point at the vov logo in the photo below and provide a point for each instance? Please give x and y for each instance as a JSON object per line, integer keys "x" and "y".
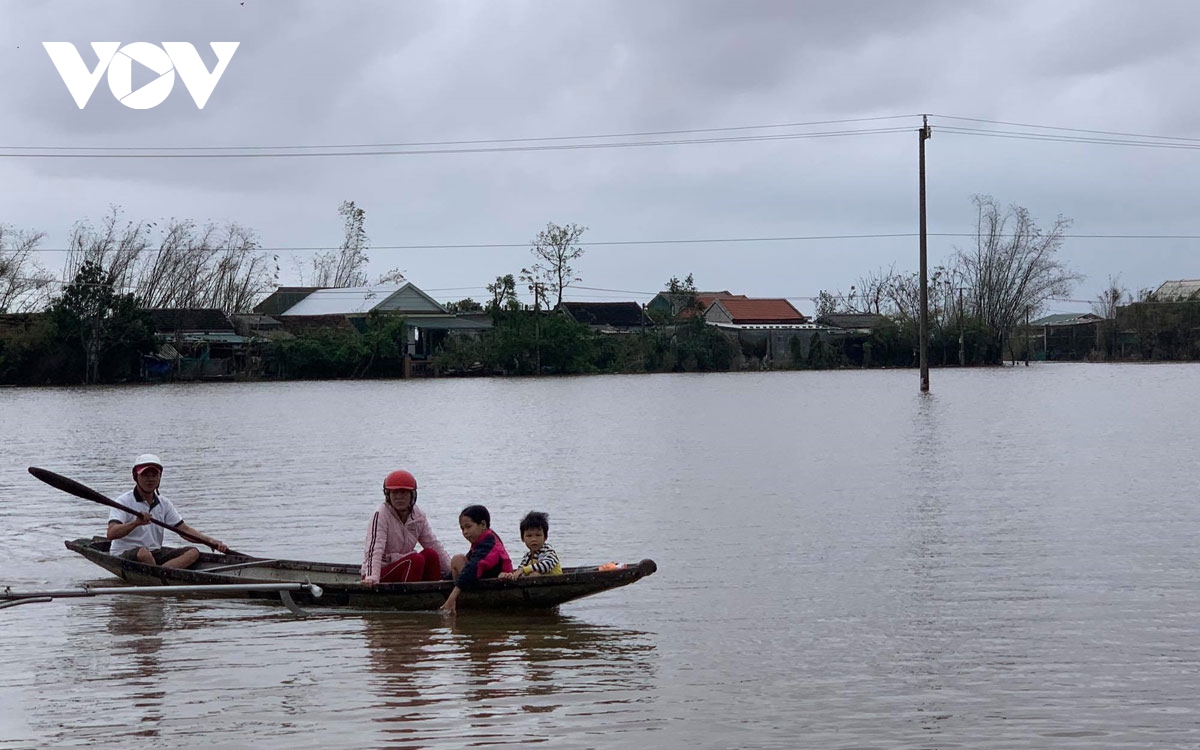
{"x": 118, "y": 61}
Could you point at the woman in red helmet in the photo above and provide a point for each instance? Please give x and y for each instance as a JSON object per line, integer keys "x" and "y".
{"x": 396, "y": 529}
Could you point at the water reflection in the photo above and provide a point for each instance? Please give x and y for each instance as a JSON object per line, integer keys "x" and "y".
{"x": 927, "y": 633}
{"x": 135, "y": 626}
{"x": 491, "y": 677}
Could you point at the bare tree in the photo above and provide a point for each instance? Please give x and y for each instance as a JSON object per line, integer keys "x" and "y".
{"x": 873, "y": 293}
{"x": 394, "y": 276}
{"x": 556, "y": 248}
{"x": 1013, "y": 269}
{"x": 242, "y": 273}
{"x": 177, "y": 274}
{"x": 1113, "y": 296}
{"x": 826, "y": 303}
{"x": 221, "y": 267}
{"x": 115, "y": 249}
{"x": 343, "y": 267}
{"x": 24, "y": 284}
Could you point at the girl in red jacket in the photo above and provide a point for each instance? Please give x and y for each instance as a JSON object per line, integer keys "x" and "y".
{"x": 487, "y": 557}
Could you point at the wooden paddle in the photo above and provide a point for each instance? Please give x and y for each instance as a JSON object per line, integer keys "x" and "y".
{"x": 70, "y": 486}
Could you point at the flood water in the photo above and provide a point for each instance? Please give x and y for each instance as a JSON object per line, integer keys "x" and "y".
{"x": 1011, "y": 561}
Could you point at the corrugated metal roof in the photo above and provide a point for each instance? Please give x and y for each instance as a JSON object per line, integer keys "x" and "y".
{"x": 1177, "y": 291}
{"x": 342, "y": 301}
{"x": 1066, "y": 319}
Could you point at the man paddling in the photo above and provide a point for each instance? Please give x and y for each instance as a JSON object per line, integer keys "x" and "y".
{"x": 134, "y": 537}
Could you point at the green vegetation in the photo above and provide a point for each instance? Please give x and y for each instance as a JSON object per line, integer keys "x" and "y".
{"x": 329, "y": 354}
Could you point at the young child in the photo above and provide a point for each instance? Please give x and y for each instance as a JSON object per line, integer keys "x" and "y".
{"x": 487, "y": 557}
{"x": 541, "y": 559}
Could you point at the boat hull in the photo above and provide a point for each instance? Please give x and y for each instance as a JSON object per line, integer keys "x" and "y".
{"x": 342, "y": 588}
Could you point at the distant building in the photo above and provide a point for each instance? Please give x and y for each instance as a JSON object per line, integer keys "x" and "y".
{"x": 1064, "y": 336}
{"x": 608, "y": 317}
{"x": 427, "y": 321}
{"x": 1181, "y": 290}
{"x": 405, "y": 298}
{"x": 668, "y": 305}
{"x": 767, "y": 331}
{"x": 745, "y": 311}
{"x": 854, "y": 322}
{"x": 196, "y": 344}
{"x": 283, "y": 298}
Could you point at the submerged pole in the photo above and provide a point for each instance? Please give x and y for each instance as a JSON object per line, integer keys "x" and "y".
{"x": 922, "y": 135}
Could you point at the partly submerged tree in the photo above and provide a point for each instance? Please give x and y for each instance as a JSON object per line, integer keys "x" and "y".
{"x": 1013, "y": 270}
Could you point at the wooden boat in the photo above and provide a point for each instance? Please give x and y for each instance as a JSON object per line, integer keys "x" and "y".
{"x": 341, "y": 586}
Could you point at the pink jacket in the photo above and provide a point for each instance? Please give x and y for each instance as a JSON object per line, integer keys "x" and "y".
{"x": 389, "y": 539}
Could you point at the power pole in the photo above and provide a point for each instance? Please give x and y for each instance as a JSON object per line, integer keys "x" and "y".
{"x": 1027, "y": 337}
{"x": 962, "y": 352}
{"x": 922, "y": 135}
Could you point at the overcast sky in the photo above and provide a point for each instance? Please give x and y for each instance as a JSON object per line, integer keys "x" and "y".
{"x": 353, "y": 73}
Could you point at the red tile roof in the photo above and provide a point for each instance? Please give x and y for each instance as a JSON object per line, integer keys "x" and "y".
{"x": 706, "y": 299}
{"x": 761, "y": 310}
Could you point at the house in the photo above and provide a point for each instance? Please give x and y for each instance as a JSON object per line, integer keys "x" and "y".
{"x": 255, "y": 325}
{"x": 1164, "y": 326}
{"x": 283, "y": 298}
{"x": 1063, "y": 336}
{"x": 743, "y": 311}
{"x": 428, "y": 323}
{"x": 608, "y": 317}
{"x": 1181, "y": 290}
{"x": 766, "y": 330}
{"x": 668, "y": 305}
{"x": 405, "y": 299}
{"x": 864, "y": 323}
{"x": 196, "y": 344}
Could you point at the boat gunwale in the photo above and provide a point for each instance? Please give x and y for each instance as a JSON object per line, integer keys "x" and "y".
{"x": 538, "y": 592}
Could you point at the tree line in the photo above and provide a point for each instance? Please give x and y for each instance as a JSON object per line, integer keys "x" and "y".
{"x": 114, "y": 271}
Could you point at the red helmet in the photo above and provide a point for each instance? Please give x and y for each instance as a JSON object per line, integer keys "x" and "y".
{"x": 400, "y": 480}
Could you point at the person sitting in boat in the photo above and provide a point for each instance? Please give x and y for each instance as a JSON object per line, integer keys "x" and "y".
{"x": 135, "y": 537}
{"x": 396, "y": 528}
{"x": 487, "y": 557}
{"x": 541, "y": 559}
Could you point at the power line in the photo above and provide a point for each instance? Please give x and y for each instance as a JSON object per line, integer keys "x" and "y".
{"x": 383, "y": 151}
{"x": 574, "y": 142}
{"x": 677, "y": 241}
{"x": 1070, "y": 130}
{"x": 1033, "y": 136}
{"x": 413, "y": 144}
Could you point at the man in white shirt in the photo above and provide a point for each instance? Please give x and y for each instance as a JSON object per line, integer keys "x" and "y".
{"x": 134, "y": 537}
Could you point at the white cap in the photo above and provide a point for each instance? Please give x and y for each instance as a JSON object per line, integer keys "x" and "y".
{"x": 146, "y": 459}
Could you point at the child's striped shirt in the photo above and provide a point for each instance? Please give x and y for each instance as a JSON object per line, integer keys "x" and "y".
{"x": 544, "y": 561}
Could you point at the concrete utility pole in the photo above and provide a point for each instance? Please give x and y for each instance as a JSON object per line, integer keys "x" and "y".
{"x": 962, "y": 350}
{"x": 922, "y": 135}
